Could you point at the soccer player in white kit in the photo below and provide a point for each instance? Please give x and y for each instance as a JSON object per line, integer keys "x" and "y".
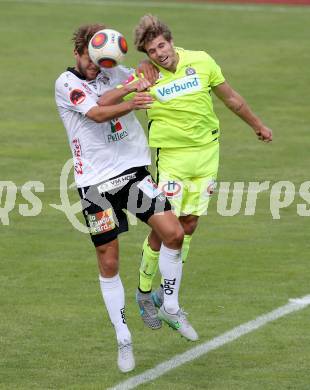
{"x": 110, "y": 155}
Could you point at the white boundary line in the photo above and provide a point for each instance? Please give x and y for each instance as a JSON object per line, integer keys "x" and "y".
{"x": 202, "y": 349}
{"x": 171, "y": 5}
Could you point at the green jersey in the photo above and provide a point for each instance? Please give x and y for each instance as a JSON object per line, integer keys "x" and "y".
{"x": 182, "y": 114}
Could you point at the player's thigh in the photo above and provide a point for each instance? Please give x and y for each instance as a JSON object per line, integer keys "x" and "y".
{"x": 197, "y": 195}
{"x": 189, "y": 223}
{"x": 168, "y": 228}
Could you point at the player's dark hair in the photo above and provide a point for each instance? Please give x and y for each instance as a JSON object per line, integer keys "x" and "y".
{"x": 83, "y": 35}
{"x": 149, "y": 28}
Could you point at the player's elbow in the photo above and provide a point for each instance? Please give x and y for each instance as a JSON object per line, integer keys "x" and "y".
{"x": 229, "y": 103}
{"x": 234, "y": 104}
{"x": 101, "y": 117}
{"x": 96, "y": 118}
{"x": 97, "y": 115}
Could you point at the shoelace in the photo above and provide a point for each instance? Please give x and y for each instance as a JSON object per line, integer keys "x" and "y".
{"x": 125, "y": 350}
{"x": 182, "y": 314}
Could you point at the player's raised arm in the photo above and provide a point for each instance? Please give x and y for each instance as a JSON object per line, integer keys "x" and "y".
{"x": 237, "y": 104}
{"x": 116, "y": 95}
{"x": 148, "y": 70}
{"x": 103, "y": 113}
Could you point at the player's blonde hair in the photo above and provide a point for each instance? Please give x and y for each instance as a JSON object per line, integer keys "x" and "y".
{"x": 149, "y": 28}
{"x": 83, "y": 35}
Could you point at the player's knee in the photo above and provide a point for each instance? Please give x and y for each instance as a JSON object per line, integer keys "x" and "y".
{"x": 174, "y": 239}
{"x": 108, "y": 264}
{"x": 189, "y": 224}
{"x": 190, "y": 227}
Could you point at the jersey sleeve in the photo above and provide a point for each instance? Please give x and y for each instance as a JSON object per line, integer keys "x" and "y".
{"x": 130, "y": 79}
{"x": 72, "y": 95}
{"x": 216, "y": 76}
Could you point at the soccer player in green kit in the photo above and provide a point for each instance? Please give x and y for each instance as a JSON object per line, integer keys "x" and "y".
{"x": 185, "y": 130}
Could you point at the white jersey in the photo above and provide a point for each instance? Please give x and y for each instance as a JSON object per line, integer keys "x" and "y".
{"x": 100, "y": 150}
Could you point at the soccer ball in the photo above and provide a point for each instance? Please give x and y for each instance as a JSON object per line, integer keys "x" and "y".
{"x": 107, "y": 48}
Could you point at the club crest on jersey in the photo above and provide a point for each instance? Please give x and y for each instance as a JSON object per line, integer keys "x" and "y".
{"x": 172, "y": 189}
{"x": 77, "y": 96}
{"x": 190, "y": 71}
{"x": 183, "y": 86}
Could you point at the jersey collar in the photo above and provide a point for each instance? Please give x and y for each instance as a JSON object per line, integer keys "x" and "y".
{"x": 181, "y": 54}
{"x": 76, "y": 73}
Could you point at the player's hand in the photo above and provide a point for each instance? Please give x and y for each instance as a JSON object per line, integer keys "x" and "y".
{"x": 143, "y": 85}
{"x": 141, "y": 101}
{"x": 139, "y": 85}
{"x": 148, "y": 70}
{"x": 264, "y": 134}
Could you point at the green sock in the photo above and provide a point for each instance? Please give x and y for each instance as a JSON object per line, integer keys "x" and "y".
{"x": 148, "y": 267}
{"x": 185, "y": 247}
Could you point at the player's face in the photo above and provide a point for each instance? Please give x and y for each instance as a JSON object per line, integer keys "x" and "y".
{"x": 162, "y": 53}
{"x": 84, "y": 65}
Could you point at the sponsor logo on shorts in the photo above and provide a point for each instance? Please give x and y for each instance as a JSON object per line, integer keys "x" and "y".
{"x": 171, "y": 189}
{"x": 210, "y": 188}
{"x": 77, "y": 96}
{"x": 180, "y": 87}
{"x": 149, "y": 187}
{"x": 118, "y": 182}
{"x": 101, "y": 222}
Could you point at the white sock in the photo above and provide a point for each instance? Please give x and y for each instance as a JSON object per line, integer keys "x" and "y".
{"x": 170, "y": 265}
{"x": 114, "y": 298}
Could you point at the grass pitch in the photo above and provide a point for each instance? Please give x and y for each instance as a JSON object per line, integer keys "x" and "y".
{"x": 54, "y": 331}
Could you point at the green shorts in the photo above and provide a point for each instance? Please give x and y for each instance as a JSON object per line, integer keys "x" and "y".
{"x": 188, "y": 176}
